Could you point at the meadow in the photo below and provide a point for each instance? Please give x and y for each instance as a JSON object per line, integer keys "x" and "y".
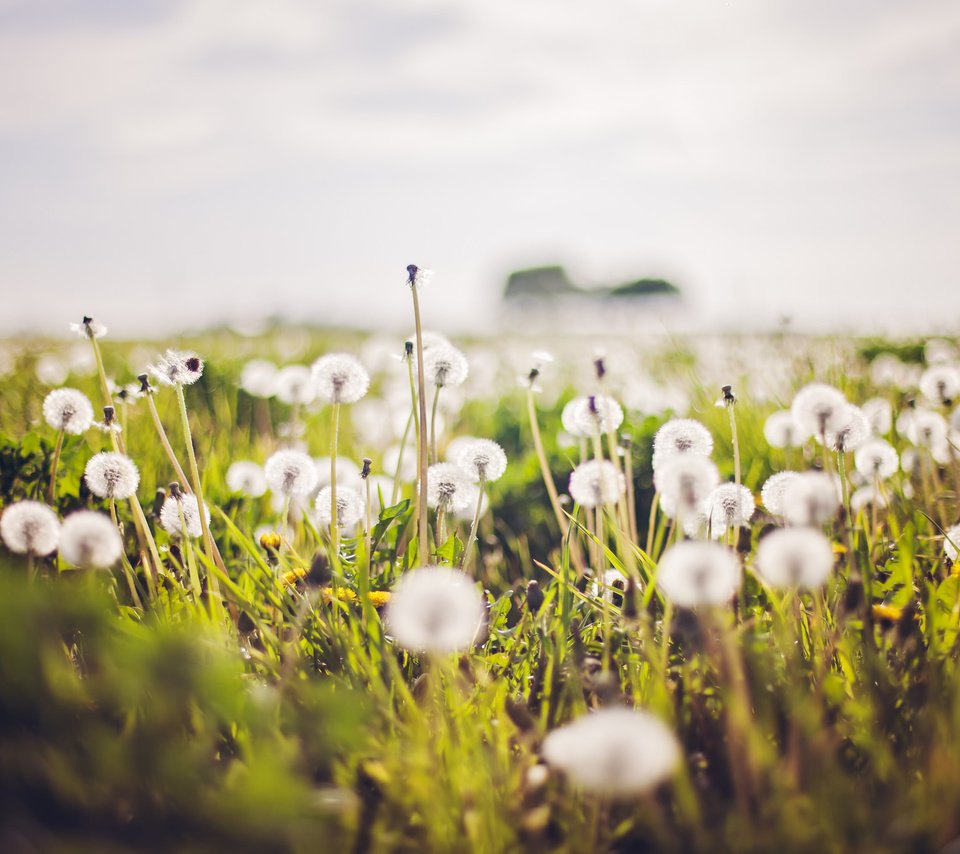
{"x": 661, "y": 594}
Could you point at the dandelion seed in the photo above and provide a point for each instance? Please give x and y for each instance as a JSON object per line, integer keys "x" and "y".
{"x": 449, "y": 488}
{"x": 340, "y": 378}
{"x": 349, "y": 506}
{"x": 90, "y": 540}
{"x": 771, "y": 494}
{"x": 782, "y": 431}
{"x": 483, "y": 460}
{"x": 684, "y": 482}
{"x": 728, "y": 506}
{"x": 681, "y": 436}
{"x": 876, "y": 460}
{"x": 29, "y": 527}
{"x": 951, "y": 542}
{"x": 294, "y": 385}
{"x": 435, "y": 610}
{"x": 69, "y": 410}
{"x": 616, "y": 752}
{"x": 444, "y": 366}
{"x": 811, "y": 499}
{"x": 170, "y": 513}
{"x": 110, "y": 474}
{"x": 176, "y": 367}
{"x": 691, "y": 574}
{"x": 596, "y": 482}
{"x": 819, "y": 409}
{"x": 795, "y": 557}
{"x": 290, "y": 473}
{"x": 247, "y": 478}
{"x": 89, "y": 328}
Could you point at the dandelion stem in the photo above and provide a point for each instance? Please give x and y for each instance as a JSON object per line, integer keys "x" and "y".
{"x": 467, "y": 556}
{"x": 423, "y": 535}
{"x": 181, "y": 476}
{"x": 403, "y": 446}
{"x": 731, "y": 407}
{"x": 433, "y": 425}
{"x": 125, "y": 563}
{"x": 52, "y": 489}
{"x": 334, "y": 520}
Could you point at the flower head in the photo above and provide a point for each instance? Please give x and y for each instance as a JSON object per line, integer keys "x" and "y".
{"x": 681, "y": 436}
{"x": 418, "y": 276}
{"x": 596, "y": 413}
{"x": 617, "y": 752}
{"x": 340, "y": 378}
{"x": 771, "y": 494}
{"x": 110, "y": 474}
{"x": 818, "y": 408}
{"x": 349, "y": 506}
{"x": 448, "y": 488}
{"x": 247, "y": 478}
{"x": 435, "y": 610}
{"x": 940, "y": 383}
{"x": 89, "y": 328}
{"x": 926, "y": 429}
{"x": 259, "y": 378}
{"x": 684, "y": 482}
{"x": 795, "y": 557}
{"x": 177, "y": 367}
{"x": 294, "y": 384}
{"x": 596, "y": 482}
{"x": 69, "y": 410}
{"x": 782, "y": 431}
{"x": 444, "y": 366}
{"x": 728, "y": 506}
{"x": 90, "y": 540}
{"x": 186, "y": 505}
{"x": 482, "y": 459}
{"x": 290, "y": 472}
{"x": 695, "y": 573}
{"x": 811, "y": 499}
{"x": 876, "y": 460}
{"x": 849, "y": 430}
{"x": 29, "y": 527}
{"x": 879, "y": 415}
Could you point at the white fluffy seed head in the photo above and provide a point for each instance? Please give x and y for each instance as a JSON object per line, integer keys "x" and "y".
{"x": 848, "y": 431}
{"x": 681, "y": 436}
{"x": 290, "y": 472}
{"x": 866, "y": 496}
{"x": 879, "y": 415}
{"x": 951, "y": 542}
{"x": 190, "y": 524}
{"x": 259, "y": 378}
{"x": 247, "y": 478}
{"x": 876, "y": 460}
{"x": 482, "y": 459}
{"x": 684, "y": 482}
{"x": 818, "y": 408}
{"x": 294, "y": 384}
{"x": 691, "y": 574}
{"x": 444, "y": 366}
{"x": 177, "y": 367}
{"x": 926, "y": 429}
{"x": 614, "y": 752}
{"x": 111, "y": 474}
{"x": 594, "y": 483}
{"x": 340, "y": 378}
{"x": 90, "y": 540}
{"x": 940, "y": 383}
{"x": 782, "y": 431}
{"x": 811, "y": 499}
{"x": 29, "y": 527}
{"x": 435, "y": 610}
{"x": 795, "y": 557}
{"x": 597, "y": 414}
{"x": 728, "y": 506}
{"x": 69, "y": 410}
{"x": 771, "y": 495}
{"x": 349, "y": 506}
{"x": 449, "y": 488}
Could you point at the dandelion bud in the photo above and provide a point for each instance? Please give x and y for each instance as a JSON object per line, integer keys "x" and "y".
{"x": 290, "y": 473}
{"x": 407, "y": 349}
{"x": 876, "y": 460}
{"x": 435, "y": 610}
{"x": 596, "y": 482}
{"x": 349, "y": 506}
{"x": 811, "y": 499}
{"x": 340, "y": 378}
{"x": 771, "y": 494}
{"x": 684, "y": 482}
{"x": 177, "y": 367}
{"x": 90, "y": 540}
{"x": 144, "y": 384}
{"x": 365, "y": 471}
{"x": 69, "y": 410}
{"x": 535, "y": 597}
{"x": 270, "y": 541}
{"x": 600, "y": 368}
{"x": 247, "y": 478}
{"x": 951, "y": 543}
{"x": 483, "y": 460}
{"x": 818, "y": 409}
{"x": 728, "y": 506}
{"x": 448, "y": 488}
{"x": 691, "y": 574}
{"x": 110, "y": 474}
{"x": 782, "y": 431}
{"x": 174, "y": 506}
{"x": 29, "y": 527}
{"x": 794, "y": 557}
{"x": 681, "y": 436}
{"x": 444, "y": 366}
{"x": 727, "y": 397}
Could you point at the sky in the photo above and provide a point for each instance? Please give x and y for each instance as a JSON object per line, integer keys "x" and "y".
{"x": 166, "y": 165}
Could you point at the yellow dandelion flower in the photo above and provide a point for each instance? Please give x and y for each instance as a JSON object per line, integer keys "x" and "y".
{"x": 291, "y": 577}
{"x": 379, "y": 598}
{"x": 344, "y": 594}
{"x": 887, "y": 612}
{"x": 270, "y": 541}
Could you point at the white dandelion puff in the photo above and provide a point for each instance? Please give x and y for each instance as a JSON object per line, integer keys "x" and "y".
{"x": 290, "y": 472}
{"x": 596, "y": 482}
{"x": 811, "y": 499}
{"x": 570, "y": 420}
{"x": 259, "y": 378}
{"x": 876, "y": 460}
{"x": 681, "y": 436}
{"x": 818, "y": 408}
{"x": 190, "y": 524}
{"x": 951, "y": 542}
{"x": 483, "y": 459}
{"x": 89, "y": 328}
{"x": 782, "y": 431}
{"x": 940, "y": 383}
{"x": 879, "y": 415}
{"x": 247, "y": 478}
{"x": 615, "y": 752}
{"x": 111, "y": 474}
{"x": 340, "y": 378}
{"x": 449, "y": 488}
{"x": 176, "y": 367}
{"x": 867, "y": 496}
{"x": 294, "y": 384}
{"x": 435, "y": 610}
{"x": 795, "y": 557}
{"x": 771, "y": 494}
{"x": 728, "y": 506}
{"x": 29, "y": 527}
{"x": 598, "y": 413}
{"x": 90, "y": 540}
{"x": 349, "y": 506}
{"x": 850, "y": 430}
{"x": 444, "y": 366}
{"x": 684, "y": 482}
{"x": 691, "y": 574}
{"x": 69, "y": 410}
{"x": 926, "y": 429}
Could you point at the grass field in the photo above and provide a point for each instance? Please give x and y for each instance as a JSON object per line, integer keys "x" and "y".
{"x": 271, "y": 682}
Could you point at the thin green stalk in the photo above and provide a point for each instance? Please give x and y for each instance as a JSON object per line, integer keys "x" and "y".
{"x": 736, "y": 444}
{"x": 52, "y": 489}
{"x": 334, "y": 520}
{"x": 411, "y": 419}
{"x": 433, "y": 425}
{"x": 165, "y": 442}
{"x": 423, "y": 535}
{"x": 467, "y": 556}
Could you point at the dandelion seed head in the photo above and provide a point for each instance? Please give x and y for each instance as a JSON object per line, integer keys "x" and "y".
{"x": 290, "y": 472}
{"x": 681, "y": 436}
{"x": 247, "y": 478}
{"x": 417, "y": 277}
{"x": 782, "y": 431}
{"x": 615, "y": 752}
{"x": 340, "y": 378}
{"x": 926, "y": 429}
{"x": 597, "y": 413}
{"x": 69, "y": 410}
{"x": 818, "y": 409}
{"x": 349, "y": 506}
{"x": 684, "y": 482}
{"x": 728, "y": 506}
{"x": 771, "y": 494}
{"x": 876, "y": 460}
{"x": 444, "y": 366}
{"x": 111, "y": 474}
{"x": 937, "y": 351}
{"x": 692, "y": 574}
{"x": 191, "y": 525}
{"x": 258, "y": 378}
{"x": 294, "y": 384}
{"x": 89, "y": 328}
{"x": 29, "y": 527}
{"x": 795, "y": 557}
{"x": 435, "y": 610}
{"x": 177, "y": 367}
{"x": 865, "y": 497}
{"x": 596, "y": 482}
{"x": 483, "y": 459}
{"x": 90, "y": 540}
{"x": 951, "y": 542}
{"x": 850, "y": 430}
{"x": 448, "y": 488}
{"x": 879, "y": 415}
{"x": 811, "y": 499}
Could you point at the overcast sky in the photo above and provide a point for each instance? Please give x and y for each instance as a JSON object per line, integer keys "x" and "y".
{"x": 172, "y": 163}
